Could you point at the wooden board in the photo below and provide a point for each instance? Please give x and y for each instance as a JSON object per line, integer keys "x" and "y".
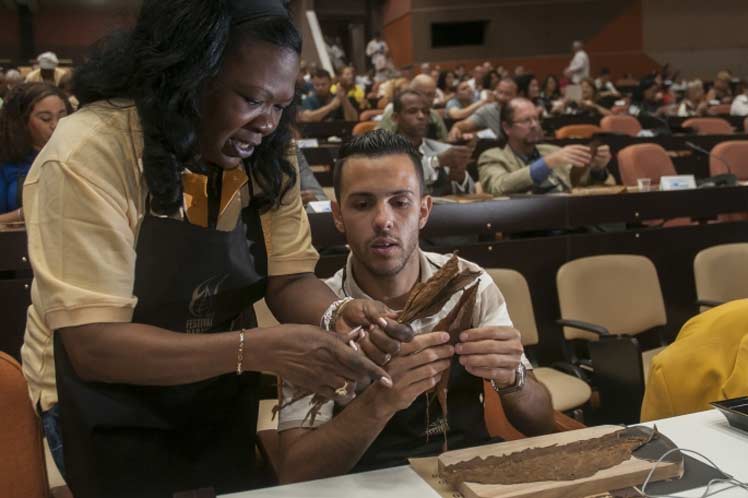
{"x": 629, "y": 473}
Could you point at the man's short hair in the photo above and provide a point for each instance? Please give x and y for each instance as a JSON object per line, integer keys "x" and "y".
{"x": 321, "y": 73}
{"x": 397, "y": 102}
{"x": 506, "y": 80}
{"x": 376, "y": 143}
{"x": 507, "y": 112}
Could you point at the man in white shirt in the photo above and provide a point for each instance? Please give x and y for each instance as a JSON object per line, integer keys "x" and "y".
{"x": 739, "y": 105}
{"x": 377, "y": 51}
{"x": 579, "y": 68}
{"x": 381, "y": 208}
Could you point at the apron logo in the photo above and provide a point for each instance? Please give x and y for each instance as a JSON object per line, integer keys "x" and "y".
{"x": 202, "y": 305}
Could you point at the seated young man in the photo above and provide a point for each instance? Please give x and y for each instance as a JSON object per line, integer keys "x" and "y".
{"x": 381, "y": 207}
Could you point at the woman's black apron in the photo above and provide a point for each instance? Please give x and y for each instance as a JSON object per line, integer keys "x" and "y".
{"x": 418, "y": 431}
{"x": 142, "y": 441}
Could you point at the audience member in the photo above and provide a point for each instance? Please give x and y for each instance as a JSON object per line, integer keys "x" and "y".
{"x": 463, "y": 104}
{"x": 444, "y": 165}
{"x": 527, "y": 166}
{"x": 381, "y": 207}
{"x": 323, "y": 105}
{"x": 739, "y": 105}
{"x": 426, "y": 86}
{"x": 476, "y": 82}
{"x": 446, "y": 86}
{"x": 488, "y": 116}
{"x": 490, "y": 80}
{"x": 66, "y": 85}
{"x": 528, "y": 87}
{"x": 48, "y": 71}
{"x": 579, "y": 67}
{"x": 694, "y": 104}
{"x": 605, "y": 87}
{"x": 335, "y": 52}
{"x": 425, "y": 68}
{"x": 354, "y": 92}
{"x": 519, "y": 71}
{"x": 645, "y": 99}
{"x": 460, "y": 72}
{"x": 549, "y": 93}
{"x": 310, "y": 188}
{"x": 587, "y": 105}
{"x": 12, "y": 79}
{"x": 377, "y": 51}
{"x": 27, "y": 120}
{"x": 720, "y": 93}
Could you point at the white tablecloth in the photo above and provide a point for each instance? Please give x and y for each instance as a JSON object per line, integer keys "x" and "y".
{"x": 706, "y": 432}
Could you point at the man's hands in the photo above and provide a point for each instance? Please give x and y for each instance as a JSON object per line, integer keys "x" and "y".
{"x": 416, "y": 369}
{"x": 579, "y": 156}
{"x": 457, "y": 158}
{"x": 493, "y": 353}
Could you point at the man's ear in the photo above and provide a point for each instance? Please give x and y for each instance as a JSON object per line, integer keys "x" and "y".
{"x": 425, "y": 211}
{"x": 337, "y": 216}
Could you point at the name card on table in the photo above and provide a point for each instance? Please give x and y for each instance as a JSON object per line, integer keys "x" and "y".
{"x": 678, "y": 182}
{"x": 307, "y": 143}
{"x": 320, "y": 206}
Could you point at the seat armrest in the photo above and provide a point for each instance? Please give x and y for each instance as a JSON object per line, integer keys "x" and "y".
{"x": 709, "y": 303}
{"x": 566, "y": 423}
{"x": 589, "y": 327}
{"x": 570, "y": 369}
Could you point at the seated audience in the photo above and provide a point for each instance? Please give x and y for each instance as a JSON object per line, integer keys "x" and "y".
{"x": 604, "y": 86}
{"x": 694, "y": 104}
{"x": 426, "y": 86}
{"x": 27, "y": 120}
{"x": 488, "y": 116}
{"x": 586, "y": 106}
{"x": 463, "y": 104}
{"x": 739, "y": 105}
{"x": 354, "y": 92}
{"x": 12, "y": 79}
{"x": 444, "y": 165}
{"x": 460, "y": 73}
{"x": 549, "y": 93}
{"x": 388, "y": 89}
{"x": 527, "y": 166}
{"x": 323, "y": 105}
{"x": 476, "y": 82}
{"x": 529, "y": 88}
{"x": 381, "y": 208}
{"x": 711, "y": 351}
{"x": 310, "y": 188}
{"x": 490, "y": 80}
{"x": 48, "y": 72}
{"x": 720, "y": 93}
{"x": 646, "y": 99}
{"x": 446, "y": 86}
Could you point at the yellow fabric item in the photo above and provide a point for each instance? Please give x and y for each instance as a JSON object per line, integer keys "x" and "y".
{"x": 707, "y": 362}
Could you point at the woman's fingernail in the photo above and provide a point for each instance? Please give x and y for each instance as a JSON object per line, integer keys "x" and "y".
{"x": 382, "y": 322}
{"x": 444, "y": 337}
{"x": 458, "y": 348}
{"x": 385, "y": 381}
{"x": 464, "y": 337}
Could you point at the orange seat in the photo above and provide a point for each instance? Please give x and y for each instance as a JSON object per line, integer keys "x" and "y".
{"x": 720, "y": 109}
{"x": 620, "y": 123}
{"x": 577, "y": 131}
{"x": 369, "y": 114}
{"x": 363, "y": 127}
{"x": 732, "y": 152}
{"x": 644, "y": 161}
{"x": 647, "y": 161}
{"x": 709, "y": 126}
{"x": 23, "y": 472}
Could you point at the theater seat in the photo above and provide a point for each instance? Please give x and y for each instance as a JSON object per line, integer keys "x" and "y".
{"x": 732, "y": 152}
{"x": 709, "y": 126}
{"x": 644, "y": 161}
{"x": 567, "y": 391}
{"x": 577, "y": 131}
{"x": 369, "y": 114}
{"x": 719, "y": 109}
{"x": 607, "y": 304}
{"x": 23, "y": 472}
{"x": 623, "y": 124}
{"x": 363, "y": 127}
{"x": 721, "y": 274}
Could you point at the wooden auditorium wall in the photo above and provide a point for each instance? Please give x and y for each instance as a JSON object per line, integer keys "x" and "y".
{"x": 698, "y": 37}
{"x": 536, "y": 34}
{"x": 10, "y": 44}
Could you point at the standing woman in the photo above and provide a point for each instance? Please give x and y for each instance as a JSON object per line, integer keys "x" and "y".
{"x": 157, "y": 214}
{"x": 27, "y": 120}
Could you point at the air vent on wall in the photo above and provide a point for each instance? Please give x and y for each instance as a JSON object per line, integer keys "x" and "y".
{"x": 455, "y": 34}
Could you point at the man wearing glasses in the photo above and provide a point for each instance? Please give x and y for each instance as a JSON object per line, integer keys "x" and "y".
{"x": 527, "y": 166}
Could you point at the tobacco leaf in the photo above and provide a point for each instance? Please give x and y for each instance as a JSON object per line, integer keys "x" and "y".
{"x": 459, "y": 319}
{"x": 422, "y": 295}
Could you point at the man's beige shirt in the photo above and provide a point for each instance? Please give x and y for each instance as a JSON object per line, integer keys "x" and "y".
{"x": 84, "y": 200}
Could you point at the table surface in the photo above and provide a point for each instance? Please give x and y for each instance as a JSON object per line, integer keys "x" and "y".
{"x": 705, "y": 432}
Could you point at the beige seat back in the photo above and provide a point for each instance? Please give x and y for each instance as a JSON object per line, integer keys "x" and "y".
{"x": 519, "y": 303}
{"x": 721, "y": 272}
{"x": 621, "y": 292}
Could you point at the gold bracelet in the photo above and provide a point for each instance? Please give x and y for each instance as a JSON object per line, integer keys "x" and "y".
{"x": 240, "y": 354}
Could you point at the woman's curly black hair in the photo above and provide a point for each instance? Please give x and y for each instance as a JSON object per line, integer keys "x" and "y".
{"x": 164, "y": 64}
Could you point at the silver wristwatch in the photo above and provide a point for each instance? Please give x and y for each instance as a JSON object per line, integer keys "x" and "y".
{"x": 519, "y": 382}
